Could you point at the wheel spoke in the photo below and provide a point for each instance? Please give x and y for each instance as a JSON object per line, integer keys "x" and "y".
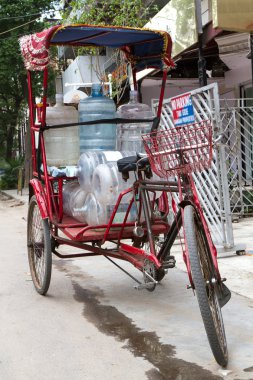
{"x": 206, "y": 283}
{"x": 208, "y": 275}
{"x": 39, "y": 248}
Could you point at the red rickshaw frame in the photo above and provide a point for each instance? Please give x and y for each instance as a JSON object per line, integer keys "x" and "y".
{"x": 143, "y": 49}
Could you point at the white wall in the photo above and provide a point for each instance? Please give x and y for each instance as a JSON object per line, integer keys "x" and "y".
{"x": 206, "y": 11}
{"x": 83, "y": 69}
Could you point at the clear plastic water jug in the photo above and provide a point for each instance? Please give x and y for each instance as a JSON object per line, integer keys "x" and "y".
{"x": 88, "y": 161}
{"x": 94, "y": 211}
{"x": 74, "y": 198}
{"x": 93, "y": 198}
{"x": 97, "y": 136}
{"x": 107, "y": 185}
{"x": 62, "y": 144}
{"x": 129, "y": 135}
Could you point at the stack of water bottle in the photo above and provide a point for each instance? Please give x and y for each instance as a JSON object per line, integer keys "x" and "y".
{"x": 92, "y": 198}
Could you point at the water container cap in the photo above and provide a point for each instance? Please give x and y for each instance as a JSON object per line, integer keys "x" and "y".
{"x": 72, "y": 171}
{"x": 96, "y": 90}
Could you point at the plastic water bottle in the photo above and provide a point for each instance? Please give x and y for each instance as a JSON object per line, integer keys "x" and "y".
{"x": 92, "y": 200}
{"x": 74, "y": 198}
{"x": 107, "y": 185}
{"x": 129, "y": 135}
{"x": 97, "y": 136}
{"x": 62, "y": 144}
{"x": 94, "y": 212}
{"x": 88, "y": 161}
{"x": 66, "y": 194}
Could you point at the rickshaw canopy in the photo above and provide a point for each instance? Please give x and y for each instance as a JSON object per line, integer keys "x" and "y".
{"x": 143, "y": 48}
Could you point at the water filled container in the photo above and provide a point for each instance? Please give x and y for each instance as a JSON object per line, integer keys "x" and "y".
{"x": 62, "y": 144}
{"x": 129, "y": 135}
{"x": 97, "y": 136}
{"x": 94, "y": 211}
{"x": 100, "y": 184}
{"x": 74, "y": 198}
{"x": 88, "y": 161}
{"x": 107, "y": 185}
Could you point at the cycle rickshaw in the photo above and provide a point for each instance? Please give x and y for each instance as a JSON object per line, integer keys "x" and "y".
{"x": 171, "y": 153}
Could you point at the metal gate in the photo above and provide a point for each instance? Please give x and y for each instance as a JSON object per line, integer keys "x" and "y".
{"x": 212, "y": 184}
{"x": 237, "y": 124}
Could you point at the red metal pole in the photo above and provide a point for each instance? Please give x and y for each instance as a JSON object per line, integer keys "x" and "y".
{"x": 44, "y": 98}
{"x": 31, "y": 118}
{"x": 159, "y": 110}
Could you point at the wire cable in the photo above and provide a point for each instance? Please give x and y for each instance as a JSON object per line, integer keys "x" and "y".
{"x": 12, "y": 17}
{"x": 31, "y": 14}
{"x": 20, "y": 26}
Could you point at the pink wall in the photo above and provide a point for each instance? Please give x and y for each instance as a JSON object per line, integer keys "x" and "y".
{"x": 241, "y": 75}
{"x": 151, "y": 88}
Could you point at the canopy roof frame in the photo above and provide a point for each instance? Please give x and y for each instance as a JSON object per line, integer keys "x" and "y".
{"x": 143, "y": 48}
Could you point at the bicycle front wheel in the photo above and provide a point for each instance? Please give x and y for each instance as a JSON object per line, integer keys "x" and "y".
{"x": 206, "y": 287}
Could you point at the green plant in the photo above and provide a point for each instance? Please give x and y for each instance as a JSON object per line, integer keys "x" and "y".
{"x": 134, "y": 13}
{"x": 10, "y": 178}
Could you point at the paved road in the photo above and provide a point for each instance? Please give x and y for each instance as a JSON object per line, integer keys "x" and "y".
{"x": 94, "y": 325}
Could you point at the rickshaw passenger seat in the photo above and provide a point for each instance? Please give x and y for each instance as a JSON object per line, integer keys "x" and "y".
{"x": 131, "y": 163}
{"x": 127, "y": 164}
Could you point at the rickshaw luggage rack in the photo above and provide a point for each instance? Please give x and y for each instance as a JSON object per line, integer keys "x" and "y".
{"x": 178, "y": 151}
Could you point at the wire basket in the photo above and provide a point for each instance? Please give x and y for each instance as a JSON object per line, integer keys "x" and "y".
{"x": 180, "y": 150}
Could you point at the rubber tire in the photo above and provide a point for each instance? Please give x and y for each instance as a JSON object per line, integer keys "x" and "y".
{"x": 213, "y": 322}
{"x": 42, "y": 253}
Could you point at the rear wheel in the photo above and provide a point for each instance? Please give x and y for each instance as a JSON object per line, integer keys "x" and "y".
{"x": 206, "y": 284}
{"x": 39, "y": 248}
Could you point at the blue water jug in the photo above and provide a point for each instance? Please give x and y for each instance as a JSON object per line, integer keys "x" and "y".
{"x": 97, "y": 136}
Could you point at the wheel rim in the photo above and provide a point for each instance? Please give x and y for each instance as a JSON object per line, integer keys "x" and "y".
{"x": 208, "y": 274}
{"x": 217, "y": 318}
{"x": 36, "y": 247}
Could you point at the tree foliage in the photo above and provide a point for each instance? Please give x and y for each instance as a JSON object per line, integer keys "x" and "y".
{"x": 18, "y": 18}
{"x": 134, "y": 13}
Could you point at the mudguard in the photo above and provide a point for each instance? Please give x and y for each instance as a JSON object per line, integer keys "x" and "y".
{"x": 36, "y": 188}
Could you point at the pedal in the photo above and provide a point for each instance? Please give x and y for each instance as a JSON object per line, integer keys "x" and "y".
{"x": 170, "y": 262}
